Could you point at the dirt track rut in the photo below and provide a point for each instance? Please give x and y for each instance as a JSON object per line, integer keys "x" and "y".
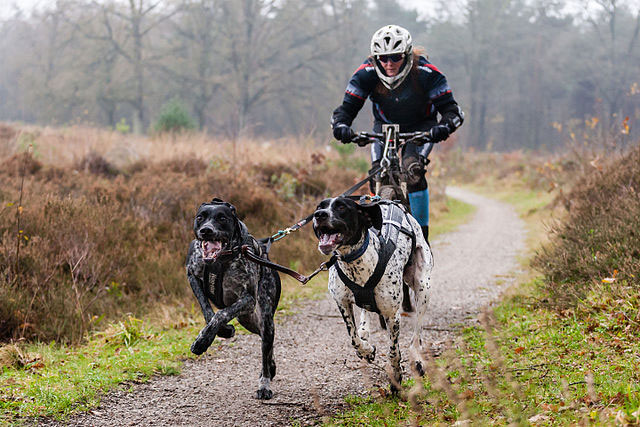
{"x": 316, "y": 365}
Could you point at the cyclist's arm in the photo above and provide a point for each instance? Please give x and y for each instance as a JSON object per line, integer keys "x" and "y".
{"x": 356, "y": 93}
{"x": 441, "y": 97}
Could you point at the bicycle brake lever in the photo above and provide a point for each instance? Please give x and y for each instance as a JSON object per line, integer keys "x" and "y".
{"x": 361, "y": 140}
{"x": 419, "y": 139}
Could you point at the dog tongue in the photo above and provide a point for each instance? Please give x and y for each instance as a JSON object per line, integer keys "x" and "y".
{"x": 211, "y": 248}
{"x": 328, "y": 241}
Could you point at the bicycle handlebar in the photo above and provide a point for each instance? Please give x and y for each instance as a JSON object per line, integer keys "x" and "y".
{"x": 365, "y": 138}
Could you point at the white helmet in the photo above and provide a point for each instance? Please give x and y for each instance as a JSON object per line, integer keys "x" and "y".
{"x": 388, "y": 40}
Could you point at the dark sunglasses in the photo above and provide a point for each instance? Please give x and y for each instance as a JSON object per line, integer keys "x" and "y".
{"x": 396, "y": 57}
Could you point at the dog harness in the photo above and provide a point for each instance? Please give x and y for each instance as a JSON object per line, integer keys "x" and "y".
{"x": 219, "y": 267}
{"x": 392, "y": 226}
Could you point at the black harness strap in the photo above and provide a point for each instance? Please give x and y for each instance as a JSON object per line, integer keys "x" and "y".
{"x": 392, "y": 225}
{"x": 218, "y": 268}
{"x": 218, "y": 296}
{"x": 364, "y": 295}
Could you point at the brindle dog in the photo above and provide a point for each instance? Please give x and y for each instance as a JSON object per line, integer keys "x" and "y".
{"x": 236, "y": 286}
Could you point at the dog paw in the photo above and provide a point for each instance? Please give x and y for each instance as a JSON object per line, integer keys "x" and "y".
{"x": 368, "y": 354}
{"x": 264, "y": 394}
{"x": 226, "y": 331}
{"x": 394, "y": 390}
{"x": 197, "y": 348}
{"x": 200, "y": 345}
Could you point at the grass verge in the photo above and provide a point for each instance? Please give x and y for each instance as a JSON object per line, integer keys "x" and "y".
{"x": 55, "y": 380}
{"x": 455, "y": 214}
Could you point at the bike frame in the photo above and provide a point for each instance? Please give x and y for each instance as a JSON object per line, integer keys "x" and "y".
{"x": 392, "y": 174}
{"x": 390, "y": 162}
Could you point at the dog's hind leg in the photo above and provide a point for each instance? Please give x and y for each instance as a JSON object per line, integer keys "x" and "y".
{"x": 268, "y": 364}
{"x": 393, "y": 326}
{"x": 267, "y": 333}
{"x": 222, "y": 317}
{"x": 419, "y": 278}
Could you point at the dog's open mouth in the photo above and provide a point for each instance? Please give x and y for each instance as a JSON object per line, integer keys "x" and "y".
{"x": 211, "y": 249}
{"x": 329, "y": 241}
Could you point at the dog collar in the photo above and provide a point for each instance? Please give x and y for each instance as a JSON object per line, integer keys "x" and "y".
{"x": 352, "y": 256}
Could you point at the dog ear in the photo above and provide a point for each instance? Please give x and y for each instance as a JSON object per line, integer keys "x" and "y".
{"x": 373, "y": 214}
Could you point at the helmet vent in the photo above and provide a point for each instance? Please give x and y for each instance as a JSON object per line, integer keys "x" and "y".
{"x": 397, "y": 44}
{"x": 387, "y": 40}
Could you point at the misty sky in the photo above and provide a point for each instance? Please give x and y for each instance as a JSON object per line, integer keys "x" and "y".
{"x": 7, "y": 6}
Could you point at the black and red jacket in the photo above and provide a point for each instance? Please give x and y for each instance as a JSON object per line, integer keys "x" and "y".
{"x": 413, "y": 105}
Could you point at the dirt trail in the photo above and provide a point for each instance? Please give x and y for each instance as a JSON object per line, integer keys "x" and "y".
{"x": 317, "y": 366}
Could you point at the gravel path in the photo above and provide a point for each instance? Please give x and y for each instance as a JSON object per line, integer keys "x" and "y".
{"x": 317, "y": 366}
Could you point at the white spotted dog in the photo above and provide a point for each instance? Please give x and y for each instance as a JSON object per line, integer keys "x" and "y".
{"x": 376, "y": 247}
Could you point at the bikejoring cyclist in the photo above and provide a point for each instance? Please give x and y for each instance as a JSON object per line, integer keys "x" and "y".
{"x": 406, "y": 89}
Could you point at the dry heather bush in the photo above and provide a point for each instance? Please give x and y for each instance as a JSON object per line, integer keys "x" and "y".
{"x": 600, "y": 236}
{"x": 22, "y": 163}
{"x": 95, "y": 244}
{"x": 96, "y": 164}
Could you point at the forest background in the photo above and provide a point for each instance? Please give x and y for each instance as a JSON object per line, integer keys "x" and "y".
{"x": 529, "y": 74}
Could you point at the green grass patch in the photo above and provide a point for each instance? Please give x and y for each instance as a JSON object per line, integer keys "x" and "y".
{"x": 556, "y": 367}
{"x": 456, "y": 214}
{"x": 55, "y": 380}
{"x": 526, "y": 364}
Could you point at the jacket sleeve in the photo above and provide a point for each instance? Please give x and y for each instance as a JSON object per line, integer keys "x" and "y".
{"x": 357, "y": 91}
{"x": 441, "y": 97}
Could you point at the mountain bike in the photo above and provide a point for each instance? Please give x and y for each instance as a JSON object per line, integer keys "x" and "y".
{"x": 391, "y": 180}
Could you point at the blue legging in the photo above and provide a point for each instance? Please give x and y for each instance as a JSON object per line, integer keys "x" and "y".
{"x": 419, "y": 202}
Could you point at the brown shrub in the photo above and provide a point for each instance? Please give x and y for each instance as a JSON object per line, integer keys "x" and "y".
{"x": 96, "y": 164}
{"x": 21, "y": 163}
{"x": 97, "y": 245}
{"x": 600, "y": 237}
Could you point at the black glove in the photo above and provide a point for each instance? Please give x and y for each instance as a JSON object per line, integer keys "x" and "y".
{"x": 439, "y": 133}
{"x": 343, "y": 133}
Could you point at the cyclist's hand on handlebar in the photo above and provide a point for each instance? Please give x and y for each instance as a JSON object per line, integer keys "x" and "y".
{"x": 343, "y": 133}
{"x": 439, "y": 133}
{"x": 421, "y": 138}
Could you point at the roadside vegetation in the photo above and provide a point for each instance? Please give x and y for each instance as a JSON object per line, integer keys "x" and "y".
{"x": 561, "y": 348}
{"x": 94, "y": 227}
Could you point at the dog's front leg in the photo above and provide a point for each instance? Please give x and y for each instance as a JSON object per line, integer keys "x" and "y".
{"x": 221, "y": 318}
{"x": 364, "y": 350}
{"x": 198, "y": 290}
